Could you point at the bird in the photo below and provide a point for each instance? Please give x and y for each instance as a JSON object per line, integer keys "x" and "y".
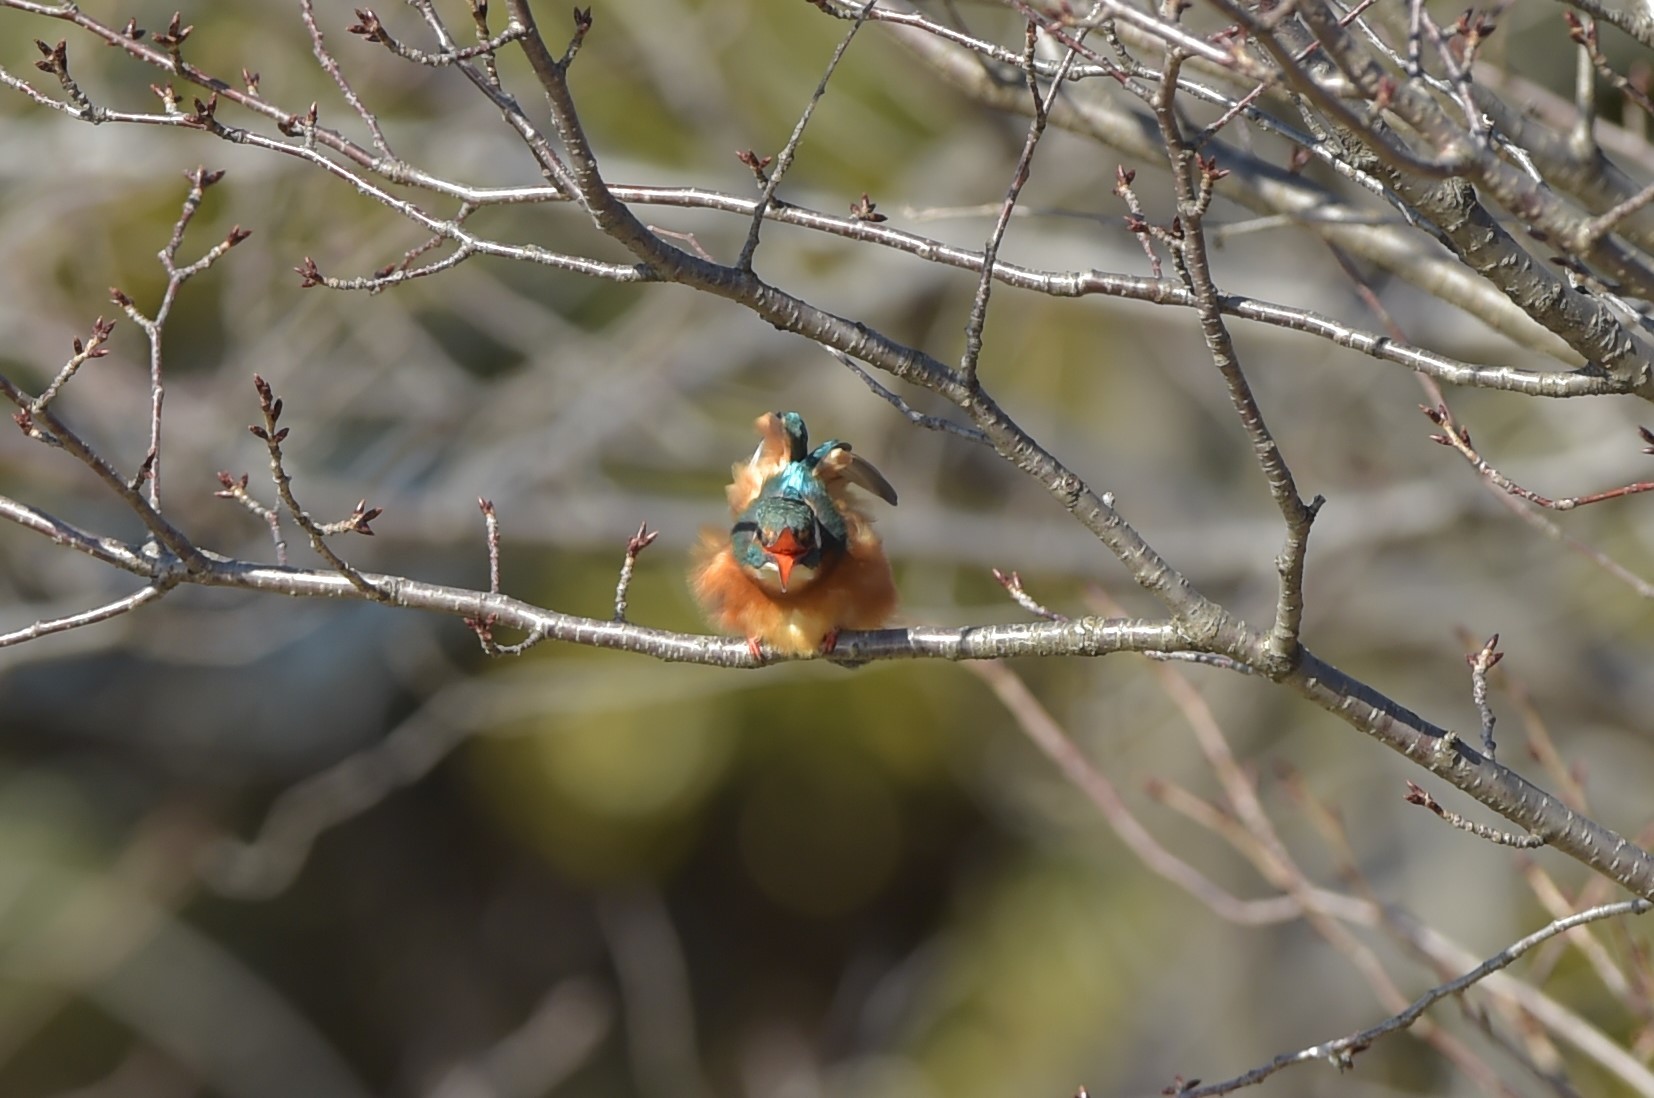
{"x": 800, "y": 561}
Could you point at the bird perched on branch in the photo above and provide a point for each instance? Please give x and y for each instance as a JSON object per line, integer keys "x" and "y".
{"x": 801, "y": 562}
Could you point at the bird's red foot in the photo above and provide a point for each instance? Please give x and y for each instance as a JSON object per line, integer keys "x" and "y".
{"x": 829, "y": 642}
{"x": 757, "y": 653}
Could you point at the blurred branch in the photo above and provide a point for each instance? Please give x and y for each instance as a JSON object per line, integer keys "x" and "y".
{"x": 1342, "y": 1051}
{"x": 1039, "y": 726}
{"x": 111, "y": 938}
{"x": 656, "y": 1003}
{"x": 564, "y": 1032}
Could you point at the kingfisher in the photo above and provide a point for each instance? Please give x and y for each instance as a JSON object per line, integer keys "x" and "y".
{"x": 801, "y": 561}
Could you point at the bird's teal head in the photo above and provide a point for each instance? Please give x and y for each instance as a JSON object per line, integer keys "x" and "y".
{"x": 782, "y": 541}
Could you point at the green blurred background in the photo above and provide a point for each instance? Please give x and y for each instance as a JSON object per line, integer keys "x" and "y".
{"x": 251, "y": 846}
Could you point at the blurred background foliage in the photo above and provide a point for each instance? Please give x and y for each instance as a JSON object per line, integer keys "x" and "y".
{"x": 582, "y": 873}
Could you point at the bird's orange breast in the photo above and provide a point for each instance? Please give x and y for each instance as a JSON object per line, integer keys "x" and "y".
{"x": 856, "y": 591}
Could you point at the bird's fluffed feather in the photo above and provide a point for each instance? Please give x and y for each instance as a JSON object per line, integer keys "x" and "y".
{"x": 772, "y": 455}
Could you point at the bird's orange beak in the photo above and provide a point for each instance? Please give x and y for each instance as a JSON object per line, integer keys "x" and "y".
{"x": 785, "y": 551}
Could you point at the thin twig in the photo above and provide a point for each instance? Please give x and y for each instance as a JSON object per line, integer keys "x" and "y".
{"x": 236, "y": 488}
{"x": 914, "y": 416}
{"x": 1417, "y": 795}
{"x": 482, "y": 625}
{"x": 784, "y": 158}
{"x": 46, "y": 427}
{"x": 1019, "y": 176}
{"x": 272, "y": 436}
{"x": 479, "y": 21}
{"x": 1481, "y": 662}
{"x": 1457, "y": 437}
{"x": 1147, "y": 232}
{"x": 636, "y": 544}
{"x": 90, "y": 617}
{"x": 1013, "y": 587}
{"x": 371, "y": 29}
{"x": 330, "y": 65}
{"x": 1599, "y": 956}
{"x": 1605, "y": 222}
{"x": 83, "y": 352}
{"x": 491, "y": 525}
{"x": 154, "y": 327}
